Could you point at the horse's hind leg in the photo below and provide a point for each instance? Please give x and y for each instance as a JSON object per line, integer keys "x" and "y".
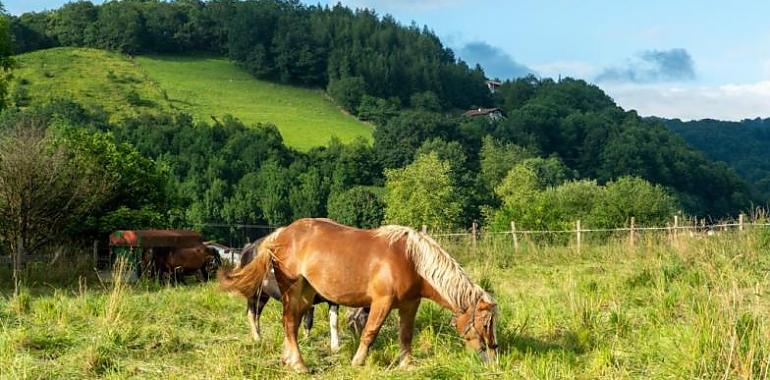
{"x": 357, "y": 319}
{"x": 380, "y": 309}
{"x": 308, "y": 319}
{"x": 254, "y": 311}
{"x": 334, "y": 310}
{"x": 296, "y": 300}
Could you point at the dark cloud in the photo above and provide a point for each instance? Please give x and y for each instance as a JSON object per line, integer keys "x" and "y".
{"x": 653, "y": 66}
{"x": 496, "y": 62}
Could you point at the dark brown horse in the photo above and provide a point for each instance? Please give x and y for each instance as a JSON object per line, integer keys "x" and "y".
{"x": 178, "y": 262}
{"x": 256, "y": 303}
{"x": 391, "y": 267}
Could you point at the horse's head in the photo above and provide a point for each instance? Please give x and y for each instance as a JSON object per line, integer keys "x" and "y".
{"x": 477, "y": 326}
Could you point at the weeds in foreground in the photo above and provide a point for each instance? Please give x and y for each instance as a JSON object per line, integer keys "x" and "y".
{"x": 685, "y": 308}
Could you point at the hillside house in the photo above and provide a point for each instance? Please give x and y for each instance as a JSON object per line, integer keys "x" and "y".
{"x": 493, "y": 85}
{"x": 492, "y": 113}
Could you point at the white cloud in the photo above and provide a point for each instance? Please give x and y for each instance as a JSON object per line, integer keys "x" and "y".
{"x": 574, "y": 69}
{"x": 725, "y": 102}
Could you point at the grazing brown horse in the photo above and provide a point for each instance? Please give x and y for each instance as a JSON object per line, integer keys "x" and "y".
{"x": 392, "y": 267}
{"x": 179, "y": 262}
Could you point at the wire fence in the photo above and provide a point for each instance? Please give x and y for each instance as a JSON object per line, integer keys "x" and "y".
{"x": 713, "y": 227}
{"x": 237, "y": 235}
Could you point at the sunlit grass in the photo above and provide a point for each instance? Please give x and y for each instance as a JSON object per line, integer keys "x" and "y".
{"x": 684, "y": 308}
{"x": 97, "y": 79}
{"x": 124, "y": 87}
{"x": 206, "y": 87}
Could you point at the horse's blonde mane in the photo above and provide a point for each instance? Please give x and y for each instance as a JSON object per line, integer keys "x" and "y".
{"x": 437, "y": 267}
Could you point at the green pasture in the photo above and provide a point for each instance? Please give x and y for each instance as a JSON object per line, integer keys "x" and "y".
{"x": 208, "y": 88}
{"x": 99, "y": 80}
{"x": 690, "y": 307}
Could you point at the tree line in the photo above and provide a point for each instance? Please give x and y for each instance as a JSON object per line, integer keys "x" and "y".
{"x": 740, "y": 144}
{"x": 353, "y": 53}
{"x": 563, "y": 151}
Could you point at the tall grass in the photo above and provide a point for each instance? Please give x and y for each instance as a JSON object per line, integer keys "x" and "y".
{"x": 667, "y": 308}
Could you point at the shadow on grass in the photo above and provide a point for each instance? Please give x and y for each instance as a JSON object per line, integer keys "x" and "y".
{"x": 567, "y": 343}
{"x": 42, "y": 279}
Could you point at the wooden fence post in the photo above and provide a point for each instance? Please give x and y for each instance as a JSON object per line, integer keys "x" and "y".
{"x": 515, "y": 238}
{"x": 424, "y": 229}
{"x": 631, "y": 232}
{"x": 577, "y": 232}
{"x": 676, "y": 226}
{"x": 740, "y": 222}
{"x": 474, "y": 228}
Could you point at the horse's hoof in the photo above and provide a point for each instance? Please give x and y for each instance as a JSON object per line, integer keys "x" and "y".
{"x": 300, "y": 368}
{"x": 335, "y": 349}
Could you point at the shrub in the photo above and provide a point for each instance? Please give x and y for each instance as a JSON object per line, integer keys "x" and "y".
{"x": 347, "y": 92}
{"x": 422, "y": 193}
{"x": 360, "y": 206}
{"x": 426, "y": 101}
{"x": 649, "y": 204}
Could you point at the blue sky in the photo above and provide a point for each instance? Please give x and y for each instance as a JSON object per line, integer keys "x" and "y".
{"x": 677, "y": 58}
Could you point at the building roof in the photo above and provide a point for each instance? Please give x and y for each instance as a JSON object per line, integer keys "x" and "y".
{"x": 481, "y": 112}
{"x": 155, "y": 238}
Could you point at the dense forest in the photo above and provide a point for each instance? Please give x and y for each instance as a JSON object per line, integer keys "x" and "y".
{"x": 352, "y": 53}
{"x": 742, "y": 145}
{"x": 564, "y": 150}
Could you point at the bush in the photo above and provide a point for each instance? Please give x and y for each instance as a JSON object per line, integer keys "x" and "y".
{"x": 360, "y": 206}
{"x": 422, "y": 193}
{"x": 649, "y": 204}
{"x": 377, "y": 110}
{"x": 133, "y": 98}
{"x": 20, "y": 96}
{"x": 532, "y": 202}
{"x": 347, "y": 92}
{"x": 426, "y": 101}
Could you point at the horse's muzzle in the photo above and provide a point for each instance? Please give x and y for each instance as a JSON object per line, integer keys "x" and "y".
{"x": 489, "y": 355}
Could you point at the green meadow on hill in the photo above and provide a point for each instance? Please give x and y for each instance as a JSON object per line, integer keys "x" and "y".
{"x": 97, "y": 79}
{"x": 203, "y": 87}
{"x": 214, "y": 86}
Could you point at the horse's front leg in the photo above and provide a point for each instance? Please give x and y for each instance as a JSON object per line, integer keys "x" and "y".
{"x": 380, "y": 309}
{"x": 406, "y": 315}
{"x": 334, "y": 310}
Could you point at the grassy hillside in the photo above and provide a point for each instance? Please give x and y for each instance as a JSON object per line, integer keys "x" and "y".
{"x": 202, "y": 87}
{"x": 685, "y": 308}
{"x": 98, "y": 79}
{"x": 211, "y": 86}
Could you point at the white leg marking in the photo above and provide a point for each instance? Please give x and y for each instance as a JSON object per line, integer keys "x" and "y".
{"x": 254, "y": 323}
{"x": 333, "y": 327}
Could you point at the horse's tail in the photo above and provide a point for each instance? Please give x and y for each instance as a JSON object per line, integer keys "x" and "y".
{"x": 247, "y": 280}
